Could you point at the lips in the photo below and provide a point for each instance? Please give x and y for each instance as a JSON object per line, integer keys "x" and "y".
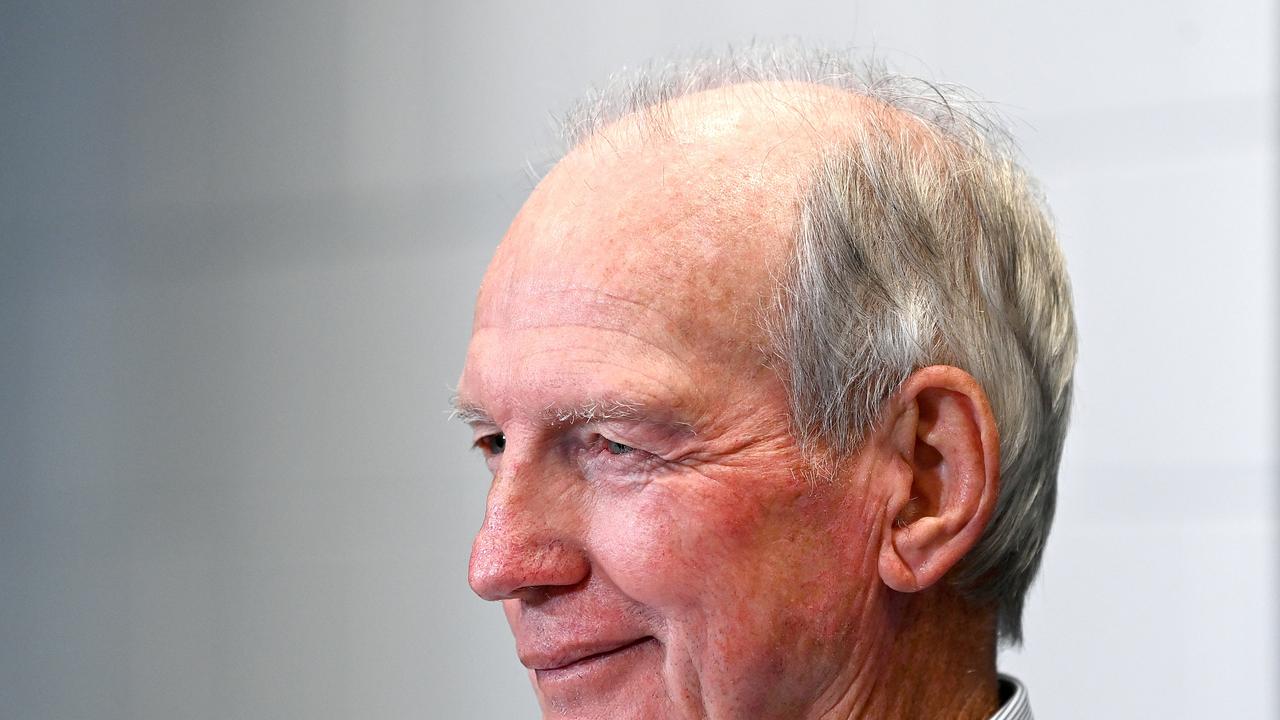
{"x": 564, "y": 657}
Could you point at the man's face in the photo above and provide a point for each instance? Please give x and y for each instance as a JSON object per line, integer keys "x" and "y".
{"x": 653, "y": 532}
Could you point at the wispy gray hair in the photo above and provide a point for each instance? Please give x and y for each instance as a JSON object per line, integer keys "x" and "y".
{"x": 933, "y": 247}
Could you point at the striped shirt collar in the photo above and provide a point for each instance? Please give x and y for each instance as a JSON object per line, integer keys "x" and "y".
{"x": 1013, "y": 698}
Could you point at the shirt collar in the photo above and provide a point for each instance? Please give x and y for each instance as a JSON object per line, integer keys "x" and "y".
{"x": 1014, "y": 704}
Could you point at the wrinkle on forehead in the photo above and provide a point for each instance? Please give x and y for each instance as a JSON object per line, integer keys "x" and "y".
{"x": 525, "y": 304}
{"x": 689, "y": 227}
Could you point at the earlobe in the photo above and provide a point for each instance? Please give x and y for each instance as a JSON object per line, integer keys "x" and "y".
{"x": 945, "y": 479}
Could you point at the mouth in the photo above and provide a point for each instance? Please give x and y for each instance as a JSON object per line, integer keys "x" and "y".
{"x": 575, "y": 661}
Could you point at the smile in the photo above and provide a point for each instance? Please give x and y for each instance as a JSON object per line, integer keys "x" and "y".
{"x": 583, "y": 662}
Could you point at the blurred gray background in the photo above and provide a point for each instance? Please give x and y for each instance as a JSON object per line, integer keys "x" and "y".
{"x": 239, "y": 242}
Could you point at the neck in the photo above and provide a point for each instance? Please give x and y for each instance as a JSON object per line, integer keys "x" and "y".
{"x": 938, "y": 661}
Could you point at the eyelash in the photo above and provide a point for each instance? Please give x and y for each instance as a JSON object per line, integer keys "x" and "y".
{"x": 620, "y": 458}
{"x": 492, "y": 444}
{"x": 496, "y": 444}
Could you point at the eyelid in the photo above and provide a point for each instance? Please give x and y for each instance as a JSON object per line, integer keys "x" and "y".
{"x": 638, "y": 459}
{"x": 657, "y": 439}
{"x": 481, "y": 429}
{"x": 483, "y": 437}
{"x": 608, "y": 435}
{"x": 606, "y": 441}
{"x": 622, "y": 430}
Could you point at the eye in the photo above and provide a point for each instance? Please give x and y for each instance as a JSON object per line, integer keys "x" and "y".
{"x": 617, "y": 448}
{"x": 606, "y": 460}
{"x": 492, "y": 444}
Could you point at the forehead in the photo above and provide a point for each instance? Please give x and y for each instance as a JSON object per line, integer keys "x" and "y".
{"x": 669, "y": 241}
{"x": 657, "y": 223}
{"x": 689, "y": 208}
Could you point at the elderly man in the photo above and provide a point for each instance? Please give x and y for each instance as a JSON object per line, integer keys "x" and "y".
{"x": 772, "y": 373}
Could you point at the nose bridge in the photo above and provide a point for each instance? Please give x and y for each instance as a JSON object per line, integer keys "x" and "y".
{"x": 528, "y": 538}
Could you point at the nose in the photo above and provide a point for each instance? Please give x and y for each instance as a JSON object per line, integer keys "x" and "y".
{"x": 526, "y": 546}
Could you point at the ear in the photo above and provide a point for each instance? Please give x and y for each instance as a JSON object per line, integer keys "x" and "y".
{"x": 944, "y": 476}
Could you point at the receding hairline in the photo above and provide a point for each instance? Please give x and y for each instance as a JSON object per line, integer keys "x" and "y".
{"x": 828, "y": 115}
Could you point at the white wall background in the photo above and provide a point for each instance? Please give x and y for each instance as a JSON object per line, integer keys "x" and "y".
{"x": 238, "y": 246}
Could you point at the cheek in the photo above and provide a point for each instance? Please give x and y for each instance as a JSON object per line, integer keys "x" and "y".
{"x": 704, "y": 546}
{"x": 646, "y": 550}
{"x": 739, "y": 585}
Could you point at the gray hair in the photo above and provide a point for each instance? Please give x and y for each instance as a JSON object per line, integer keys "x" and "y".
{"x": 933, "y": 247}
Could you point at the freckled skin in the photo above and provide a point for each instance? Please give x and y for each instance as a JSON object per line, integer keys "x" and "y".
{"x": 639, "y": 269}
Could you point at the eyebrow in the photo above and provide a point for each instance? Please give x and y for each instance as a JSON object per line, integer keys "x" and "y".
{"x": 589, "y": 411}
{"x": 593, "y": 411}
{"x": 468, "y": 413}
